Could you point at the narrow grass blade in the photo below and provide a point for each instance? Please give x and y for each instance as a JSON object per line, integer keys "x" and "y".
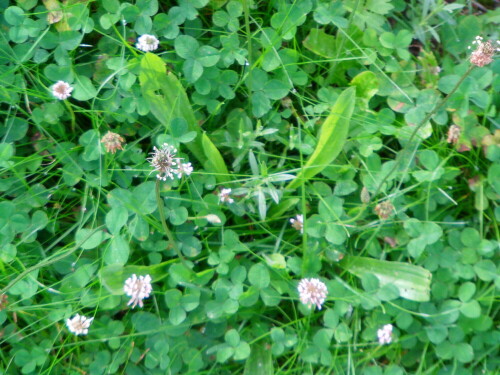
{"x": 331, "y": 140}
{"x": 413, "y": 282}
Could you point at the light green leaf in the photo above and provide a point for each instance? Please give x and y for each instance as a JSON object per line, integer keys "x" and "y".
{"x": 117, "y": 252}
{"x": 214, "y": 160}
{"x": 332, "y": 138}
{"x": 260, "y": 361}
{"x": 367, "y": 85}
{"x": 412, "y": 281}
{"x": 168, "y": 100}
{"x": 320, "y": 43}
{"x": 259, "y": 276}
{"x": 84, "y": 90}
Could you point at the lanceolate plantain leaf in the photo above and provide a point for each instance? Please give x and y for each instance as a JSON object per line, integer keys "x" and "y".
{"x": 332, "y": 138}
{"x": 168, "y": 100}
{"x": 214, "y": 159}
{"x": 260, "y": 361}
{"x": 413, "y": 282}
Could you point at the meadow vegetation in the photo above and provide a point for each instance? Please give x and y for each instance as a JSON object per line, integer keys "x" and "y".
{"x": 300, "y": 187}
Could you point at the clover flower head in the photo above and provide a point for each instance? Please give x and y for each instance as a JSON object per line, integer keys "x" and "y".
{"x": 384, "y": 334}
{"x": 62, "y": 90}
{"x": 165, "y": 162}
{"x": 453, "y": 134}
{"x": 224, "y": 196}
{"x": 298, "y": 223}
{"x": 137, "y": 288}
{"x": 79, "y": 324}
{"x": 384, "y": 210}
{"x": 185, "y": 169}
{"x": 312, "y": 292}
{"x": 112, "y": 142}
{"x": 147, "y": 43}
{"x": 484, "y": 52}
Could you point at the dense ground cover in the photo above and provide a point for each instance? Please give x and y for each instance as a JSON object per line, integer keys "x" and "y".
{"x": 328, "y": 190}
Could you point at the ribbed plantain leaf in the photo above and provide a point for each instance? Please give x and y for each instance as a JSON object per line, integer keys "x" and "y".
{"x": 413, "y": 282}
{"x": 331, "y": 139}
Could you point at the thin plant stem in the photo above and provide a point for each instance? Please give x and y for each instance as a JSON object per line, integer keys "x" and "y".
{"x": 72, "y": 114}
{"x": 165, "y": 226}
{"x": 246, "y": 11}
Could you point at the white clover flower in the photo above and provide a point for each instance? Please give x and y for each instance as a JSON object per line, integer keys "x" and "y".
{"x": 137, "y": 288}
{"x": 484, "y": 52}
{"x": 185, "y": 169}
{"x": 168, "y": 165}
{"x": 213, "y": 219}
{"x": 62, "y": 90}
{"x": 165, "y": 162}
{"x": 384, "y": 334}
{"x": 312, "y": 292}
{"x": 224, "y": 196}
{"x": 147, "y": 43}
{"x": 79, "y": 325}
{"x": 298, "y": 223}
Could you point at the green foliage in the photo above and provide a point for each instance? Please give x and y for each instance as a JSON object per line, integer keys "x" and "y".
{"x": 339, "y": 111}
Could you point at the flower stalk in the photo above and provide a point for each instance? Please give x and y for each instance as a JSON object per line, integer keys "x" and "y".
{"x": 167, "y": 231}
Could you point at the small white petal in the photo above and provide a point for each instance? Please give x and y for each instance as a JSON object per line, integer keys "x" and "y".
{"x": 138, "y": 288}
{"x": 62, "y": 90}
{"x": 79, "y": 324}
{"x": 224, "y": 196}
{"x": 312, "y": 292}
{"x": 147, "y": 43}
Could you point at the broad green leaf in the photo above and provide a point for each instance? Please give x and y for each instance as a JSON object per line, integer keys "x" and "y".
{"x": 320, "y": 43}
{"x": 332, "y": 138}
{"x": 214, "y": 160}
{"x": 168, "y": 100}
{"x": 260, "y": 361}
{"x": 367, "y": 85}
{"x": 259, "y": 276}
{"x": 84, "y": 90}
{"x": 412, "y": 281}
{"x": 117, "y": 252}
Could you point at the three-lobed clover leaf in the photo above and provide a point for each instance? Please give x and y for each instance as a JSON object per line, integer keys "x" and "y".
{"x": 196, "y": 58}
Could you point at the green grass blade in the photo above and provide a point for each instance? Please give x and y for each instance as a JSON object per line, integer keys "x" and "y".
{"x": 332, "y": 138}
{"x": 413, "y": 282}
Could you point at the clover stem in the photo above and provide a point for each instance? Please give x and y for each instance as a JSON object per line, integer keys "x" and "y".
{"x": 165, "y": 227}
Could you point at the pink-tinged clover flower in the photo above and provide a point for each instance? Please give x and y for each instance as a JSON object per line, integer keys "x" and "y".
{"x": 312, "y": 292}
{"x": 384, "y": 334}
{"x": 62, "y": 90}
